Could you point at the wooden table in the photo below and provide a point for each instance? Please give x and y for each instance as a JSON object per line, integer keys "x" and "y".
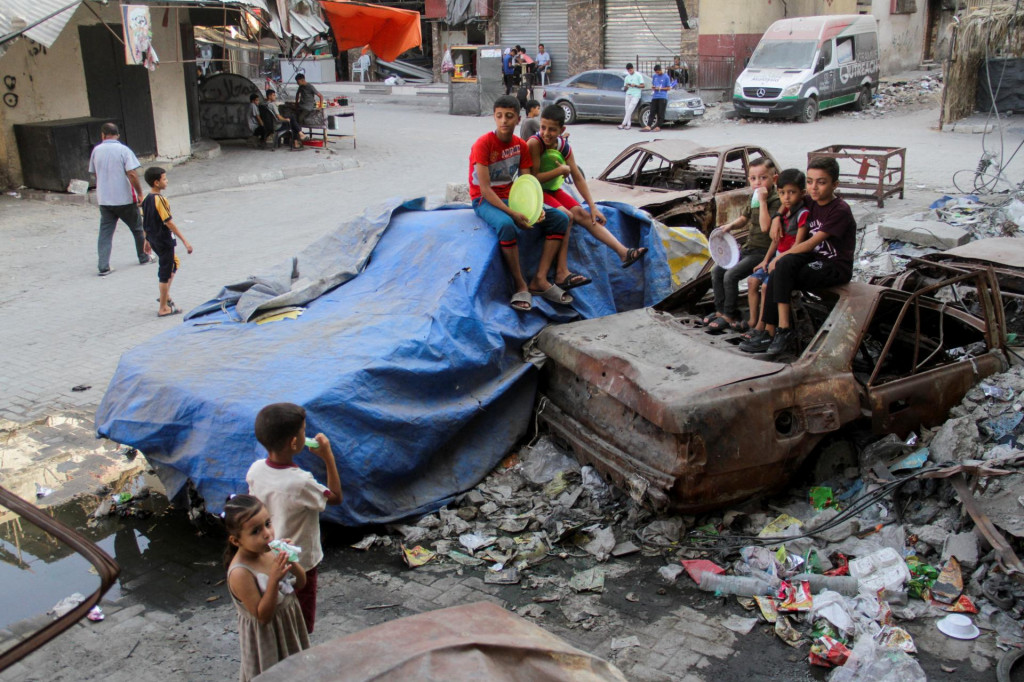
{"x": 329, "y": 134}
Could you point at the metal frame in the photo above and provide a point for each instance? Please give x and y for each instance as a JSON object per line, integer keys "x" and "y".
{"x": 890, "y": 177}
{"x": 105, "y": 566}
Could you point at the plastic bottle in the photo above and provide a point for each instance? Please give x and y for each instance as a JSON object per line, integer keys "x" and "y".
{"x": 740, "y": 585}
{"x": 843, "y": 584}
{"x": 312, "y": 443}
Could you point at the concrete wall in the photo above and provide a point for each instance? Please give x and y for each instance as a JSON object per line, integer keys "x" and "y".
{"x": 50, "y": 85}
{"x": 732, "y": 28}
{"x": 586, "y": 35}
{"x": 900, "y": 36}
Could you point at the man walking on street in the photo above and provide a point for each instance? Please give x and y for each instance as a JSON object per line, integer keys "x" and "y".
{"x": 118, "y": 191}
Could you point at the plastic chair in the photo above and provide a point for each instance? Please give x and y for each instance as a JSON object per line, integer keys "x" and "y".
{"x": 362, "y": 67}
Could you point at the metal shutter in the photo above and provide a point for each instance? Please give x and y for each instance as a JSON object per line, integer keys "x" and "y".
{"x": 529, "y": 22}
{"x": 651, "y": 29}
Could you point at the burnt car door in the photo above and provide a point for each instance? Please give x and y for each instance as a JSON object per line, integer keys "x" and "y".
{"x": 921, "y": 352}
{"x": 731, "y": 190}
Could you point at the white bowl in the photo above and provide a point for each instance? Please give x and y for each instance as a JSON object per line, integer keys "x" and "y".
{"x": 724, "y": 248}
{"x": 958, "y": 626}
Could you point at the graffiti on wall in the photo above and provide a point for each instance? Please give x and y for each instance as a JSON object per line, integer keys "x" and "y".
{"x": 10, "y": 96}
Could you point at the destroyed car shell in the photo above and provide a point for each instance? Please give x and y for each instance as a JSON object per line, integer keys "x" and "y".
{"x": 686, "y": 420}
{"x": 681, "y": 183}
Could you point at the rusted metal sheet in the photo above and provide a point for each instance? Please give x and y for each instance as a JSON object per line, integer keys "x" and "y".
{"x": 106, "y": 568}
{"x": 685, "y": 420}
{"x": 480, "y": 641}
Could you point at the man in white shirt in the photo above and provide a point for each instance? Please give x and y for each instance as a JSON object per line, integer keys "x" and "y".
{"x": 118, "y": 192}
{"x": 543, "y": 63}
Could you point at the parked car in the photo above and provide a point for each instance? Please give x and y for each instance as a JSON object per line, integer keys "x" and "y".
{"x": 685, "y": 420}
{"x": 598, "y": 94}
{"x": 681, "y": 183}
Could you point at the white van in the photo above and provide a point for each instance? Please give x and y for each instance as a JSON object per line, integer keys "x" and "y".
{"x": 807, "y": 64}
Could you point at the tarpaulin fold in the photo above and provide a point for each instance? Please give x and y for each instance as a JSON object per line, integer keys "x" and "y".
{"x": 412, "y": 368}
{"x": 388, "y": 31}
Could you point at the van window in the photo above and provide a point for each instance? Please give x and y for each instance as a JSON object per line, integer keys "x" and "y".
{"x": 826, "y": 52}
{"x": 783, "y": 54}
{"x": 866, "y": 47}
{"x": 844, "y": 50}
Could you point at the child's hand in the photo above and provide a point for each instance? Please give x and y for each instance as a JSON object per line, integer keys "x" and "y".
{"x": 771, "y": 266}
{"x": 280, "y": 568}
{"x": 188, "y": 247}
{"x": 521, "y": 222}
{"x": 564, "y": 170}
{"x": 762, "y": 195}
{"x": 323, "y": 449}
{"x": 598, "y": 217}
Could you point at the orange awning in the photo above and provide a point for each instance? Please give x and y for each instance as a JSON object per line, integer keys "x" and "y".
{"x": 388, "y": 31}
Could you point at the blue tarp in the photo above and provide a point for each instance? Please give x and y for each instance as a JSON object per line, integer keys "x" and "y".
{"x": 413, "y": 368}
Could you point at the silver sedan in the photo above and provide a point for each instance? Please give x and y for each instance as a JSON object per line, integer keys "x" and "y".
{"x": 599, "y": 94}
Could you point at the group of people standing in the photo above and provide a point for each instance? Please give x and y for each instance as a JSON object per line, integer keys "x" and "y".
{"x": 661, "y": 84}
{"x": 520, "y": 70}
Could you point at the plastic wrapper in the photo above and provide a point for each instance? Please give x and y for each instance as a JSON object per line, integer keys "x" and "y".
{"x": 769, "y": 608}
{"x": 948, "y": 587}
{"x": 828, "y": 652}
{"x": 893, "y": 637}
{"x": 417, "y": 556}
{"x": 963, "y": 604}
{"x": 821, "y": 497}
{"x": 884, "y": 569}
{"x": 787, "y": 633}
{"x": 833, "y": 607}
{"x": 282, "y": 547}
{"x": 795, "y": 597}
{"x": 922, "y": 576}
{"x": 696, "y": 567}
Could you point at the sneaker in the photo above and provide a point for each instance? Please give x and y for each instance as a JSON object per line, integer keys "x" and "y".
{"x": 150, "y": 258}
{"x": 104, "y": 273}
{"x": 784, "y": 341}
{"x": 758, "y": 345}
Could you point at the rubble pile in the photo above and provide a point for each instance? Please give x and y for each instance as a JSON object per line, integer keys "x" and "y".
{"x": 908, "y": 94}
{"x": 837, "y": 570}
{"x": 949, "y": 222}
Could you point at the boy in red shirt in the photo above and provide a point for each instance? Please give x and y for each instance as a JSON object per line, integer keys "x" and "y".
{"x": 495, "y": 161}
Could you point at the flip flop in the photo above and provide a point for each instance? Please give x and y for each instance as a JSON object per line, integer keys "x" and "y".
{"x": 554, "y": 294}
{"x": 169, "y": 302}
{"x": 573, "y": 280}
{"x": 522, "y": 297}
{"x": 708, "y": 319}
{"x": 174, "y": 311}
{"x": 633, "y": 255}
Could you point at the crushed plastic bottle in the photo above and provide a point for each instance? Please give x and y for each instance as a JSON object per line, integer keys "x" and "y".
{"x": 739, "y": 585}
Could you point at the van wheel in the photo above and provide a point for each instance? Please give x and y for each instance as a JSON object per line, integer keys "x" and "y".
{"x": 810, "y": 111}
{"x": 863, "y": 100}
{"x": 570, "y": 112}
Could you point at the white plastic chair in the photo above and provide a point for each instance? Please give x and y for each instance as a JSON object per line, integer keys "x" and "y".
{"x": 362, "y": 66}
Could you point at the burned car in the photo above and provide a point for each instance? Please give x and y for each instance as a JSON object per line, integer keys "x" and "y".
{"x": 685, "y": 420}
{"x": 681, "y": 183}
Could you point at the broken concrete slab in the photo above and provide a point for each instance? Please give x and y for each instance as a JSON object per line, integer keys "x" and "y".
{"x": 964, "y": 546}
{"x": 956, "y": 440}
{"x": 934, "y": 233}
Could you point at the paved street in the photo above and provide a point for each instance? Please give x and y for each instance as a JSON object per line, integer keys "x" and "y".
{"x": 171, "y": 618}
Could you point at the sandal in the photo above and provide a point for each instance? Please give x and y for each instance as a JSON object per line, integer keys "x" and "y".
{"x": 708, "y": 319}
{"x": 573, "y": 280}
{"x": 174, "y": 311}
{"x": 717, "y": 326}
{"x": 554, "y": 294}
{"x": 522, "y": 301}
{"x": 633, "y": 255}
{"x": 740, "y": 326}
{"x": 753, "y": 334}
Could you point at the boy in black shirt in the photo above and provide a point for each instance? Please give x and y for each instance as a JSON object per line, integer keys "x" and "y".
{"x": 156, "y": 221}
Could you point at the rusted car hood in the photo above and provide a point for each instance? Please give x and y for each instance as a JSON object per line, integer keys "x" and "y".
{"x": 1008, "y": 251}
{"x": 646, "y": 359}
{"x": 639, "y": 197}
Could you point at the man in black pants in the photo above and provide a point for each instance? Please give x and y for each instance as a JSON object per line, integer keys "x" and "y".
{"x": 824, "y": 259}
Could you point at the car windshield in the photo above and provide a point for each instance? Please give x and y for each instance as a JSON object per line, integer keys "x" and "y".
{"x": 783, "y": 54}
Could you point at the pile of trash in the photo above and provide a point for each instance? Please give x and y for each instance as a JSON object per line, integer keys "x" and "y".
{"x": 127, "y": 501}
{"x": 836, "y": 570}
{"x": 893, "y": 95}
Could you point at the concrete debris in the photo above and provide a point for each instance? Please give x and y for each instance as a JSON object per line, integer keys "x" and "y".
{"x": 739, "y": 624}
{"x": 933, "y": 233}
{"x": 963, "y": 546}
{"x": 619, "y": 643}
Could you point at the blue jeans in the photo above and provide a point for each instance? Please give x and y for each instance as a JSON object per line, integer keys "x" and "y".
{"x": 725, "y": 283}
{"x": 109, "y": 216}
{"x": 553, "y": 226}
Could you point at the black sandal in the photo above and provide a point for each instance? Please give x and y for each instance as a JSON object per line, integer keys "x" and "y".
{"x": 633, "y": 255}
{"x": 717, "y": 326}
